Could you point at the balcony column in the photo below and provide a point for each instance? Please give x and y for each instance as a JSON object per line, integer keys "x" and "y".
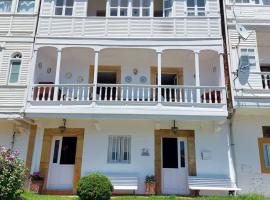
{"x": 32, "y": 74}
{"x": 159, "y": 65}
{"x": 222, "y": 76}
{"x": 57, "y": 73}
{"x": 95, "y": 78}
{"x": 197, "y": 74}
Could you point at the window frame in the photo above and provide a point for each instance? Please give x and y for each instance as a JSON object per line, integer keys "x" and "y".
{"x": 119, "y": 139}
{"x": 64, "y": 7}
{"x": 252, "y": 65}
{"x": 196, "y": 8}
{"x": 141, "y": 8}
{"x": 14, "y": 59}
{"x": 17, "y": 7}
{"x": 261, "y": 142}
{"x": 251, "y": 2}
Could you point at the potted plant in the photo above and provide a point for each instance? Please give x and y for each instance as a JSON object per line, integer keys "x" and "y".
{"x": 150, "y": 185}
{"x": 36, "y": 183}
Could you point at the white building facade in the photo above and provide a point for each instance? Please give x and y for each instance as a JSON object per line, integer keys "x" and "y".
{"x": 250, "y": 72}
{"x": 18, "y": 21}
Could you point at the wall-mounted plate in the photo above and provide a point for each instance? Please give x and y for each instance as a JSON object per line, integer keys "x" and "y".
{"x": 68, "y": 75}
{"x": 143, "y": 79}
{"x": 128, "y": 79}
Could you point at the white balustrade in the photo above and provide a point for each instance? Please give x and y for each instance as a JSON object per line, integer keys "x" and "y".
{"x": 95, "y": 27}
{"x": 128, "y": 93}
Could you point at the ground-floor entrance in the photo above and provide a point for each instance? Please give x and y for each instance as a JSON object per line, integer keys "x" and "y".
{"x": 174, "y": 166}
{"x": 174, "y": 161}
{"x": 61, "y": 160}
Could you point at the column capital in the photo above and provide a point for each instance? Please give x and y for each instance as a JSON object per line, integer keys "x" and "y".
{"x": 159, "y": 51}
{"x": 220, "y": 52}
{"x": 59, "y": 50}
{"x": 197, "y": 51}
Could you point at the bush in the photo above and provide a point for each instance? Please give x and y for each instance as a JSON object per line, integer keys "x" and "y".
{"x": 12, "y": 174}
{"x": 95, "y": 187}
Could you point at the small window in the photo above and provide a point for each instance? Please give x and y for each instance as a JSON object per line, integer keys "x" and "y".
{"x": 15, "y": 65}
{"x": 26, "y": 6}
{"x": 168, "y": 5}
{"x": 64, "y": 7}
{"x": 247, "y": 59}
{"x": 119, "y": 149}
{"x": 141, "y": 8}
{"x": 196, "y": 7}
{"x": 264, "y": 150}
{"x": 5, "y": 6}
{"x": 119, "y": 8}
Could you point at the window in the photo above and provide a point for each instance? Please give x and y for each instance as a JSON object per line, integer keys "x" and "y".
{"x": 25, "y": 6}
{"x": 247, "y": 59}
{"x": 119, "y": 8}
{"x": 15, "y": 65}
{"x": 141, "y": 8}
{"x": 64, "y": 7}
{"x": 196, "y": 7}
{"x": 5, "y": 5}
{"x": 245, "y": 1}
{"x": 168, "y": 4}
{"x": 264, "y": 149}
{"x": 119, "y": 149}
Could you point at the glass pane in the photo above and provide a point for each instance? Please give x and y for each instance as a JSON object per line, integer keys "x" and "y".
{"x": 146, "y": 3}
{"x": 59, "y": 2}
{"x": 58, "y": 11}
{"x": 190, "y": 3}
{"x": 266, "y": 132}
{"x": 136, "y": 3}
{"x": 26, "y": 6}
{"x": 68, "y": 11}
{"x": 266, "y": 152}
{"x": 114, "y": 3}
{"x": 169, "y": 153}
{"x": 124, "y": 3}
{"x": 14, "y": 72}
{"x": 146, "y": 12}
{"x": 136, "y": 12}
{"x": 14, "y": 78}
{"x": 5, "y": 5}
{"x": 123, "y": 12}
{"x": 55, "y": 151}
{"x": 182, "y": 154}
{"x": 200, "y": 3}
{"x": 68, "y": 151}
{"x": 168, "y": 13}
{"x": 113, "y": 12}
{"x": 69, "y": 2}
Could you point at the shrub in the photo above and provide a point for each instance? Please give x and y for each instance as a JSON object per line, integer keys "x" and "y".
{"x": 95, "y": 187}
{"x": 12, "y": 174}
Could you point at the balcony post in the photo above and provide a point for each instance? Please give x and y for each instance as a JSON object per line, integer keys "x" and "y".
{"x": 95, "y": 76}
{"x": 159, "y": 71}
{"x": 222, "y": 75}
{"x": 32, "y": 74}
{"x": 57, "y": 74}
{"x": 197, "y": 74}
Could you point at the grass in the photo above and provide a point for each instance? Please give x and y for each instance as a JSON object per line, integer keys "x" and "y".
{"x": 29, "y": 196}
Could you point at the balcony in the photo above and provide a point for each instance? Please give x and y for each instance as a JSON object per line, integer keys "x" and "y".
{"x": 128, "y": 27}
{"x": 126, "y": 81}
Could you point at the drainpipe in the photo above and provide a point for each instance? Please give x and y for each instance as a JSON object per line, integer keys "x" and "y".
{"x": 231, "y": 110}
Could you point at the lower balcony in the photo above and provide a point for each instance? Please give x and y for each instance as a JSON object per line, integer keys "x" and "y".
{"x": 124, "y": 81}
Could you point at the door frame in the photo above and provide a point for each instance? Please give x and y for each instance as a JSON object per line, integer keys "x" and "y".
{"x": 167, "y": 133}
{"x": 49, "y": 133}
{"x": 168, "y": 70}
{"x": 106, "y": 68}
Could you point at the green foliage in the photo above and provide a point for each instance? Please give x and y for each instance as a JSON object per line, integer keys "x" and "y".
{"x": 95, "y": 187}
{"x": 12, "y": 174}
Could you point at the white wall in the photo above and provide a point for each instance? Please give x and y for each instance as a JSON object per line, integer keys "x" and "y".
{"x": 142, "y": 133}
{"x": 247, "y": 129}
{"x": 21, "y": 139}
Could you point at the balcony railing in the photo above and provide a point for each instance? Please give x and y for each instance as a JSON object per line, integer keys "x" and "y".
{"x": 255, "y": 84}
{"x": 129, "y": 27}
{"x": 126, "y": 93}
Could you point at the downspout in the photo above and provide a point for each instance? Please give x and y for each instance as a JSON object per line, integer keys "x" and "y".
{"x": 230, "y": 107}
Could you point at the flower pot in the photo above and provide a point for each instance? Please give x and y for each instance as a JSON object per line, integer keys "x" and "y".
{"x": 36, "y": 186}
{"x": 150, "y": 188}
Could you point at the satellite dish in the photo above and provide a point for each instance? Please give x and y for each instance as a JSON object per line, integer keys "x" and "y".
{"x": 242, "y": 31}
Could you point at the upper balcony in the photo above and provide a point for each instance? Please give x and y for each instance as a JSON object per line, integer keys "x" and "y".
{"x": 252, "y": 76}
{"x": 127, "y": 81}
{"x": 251, "y": 12}
{"x": 130, "y": 19}
{"x": 18, "y": 18}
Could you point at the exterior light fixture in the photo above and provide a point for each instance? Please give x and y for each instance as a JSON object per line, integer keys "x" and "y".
{"x": 63, "y": 127}
{"x": 174, "y": 129}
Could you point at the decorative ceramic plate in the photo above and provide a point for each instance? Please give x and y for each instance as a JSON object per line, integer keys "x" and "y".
{"x": 128, "y": 79}
{"x": 143, "y": 79}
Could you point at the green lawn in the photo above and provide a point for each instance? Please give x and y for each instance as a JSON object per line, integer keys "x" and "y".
{"x": 29, "y": 196}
